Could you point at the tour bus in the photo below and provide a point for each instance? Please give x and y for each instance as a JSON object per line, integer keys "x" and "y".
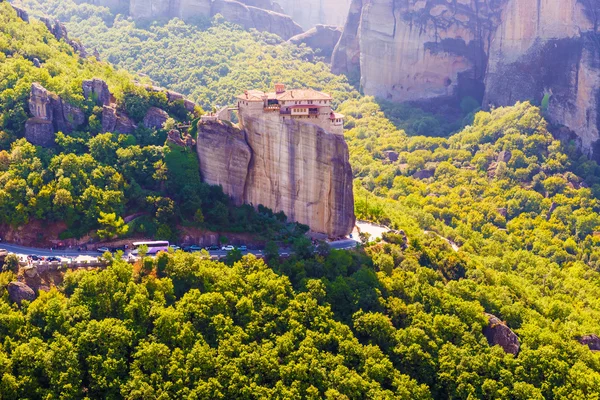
{"x": 153, "y": 247}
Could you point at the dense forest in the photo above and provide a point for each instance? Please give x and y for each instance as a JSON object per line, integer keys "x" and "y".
{"x": 386, "y": 321}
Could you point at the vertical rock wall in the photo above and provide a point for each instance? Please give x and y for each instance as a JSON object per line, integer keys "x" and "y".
{"x": 497, "y": 51}
{"x": 288, "y": 166}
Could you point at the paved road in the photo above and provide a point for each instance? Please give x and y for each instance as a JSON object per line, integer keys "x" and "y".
{"x": 24, "y": 251}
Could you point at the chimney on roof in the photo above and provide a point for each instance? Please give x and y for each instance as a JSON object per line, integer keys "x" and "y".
{"x": 279, "y": 88}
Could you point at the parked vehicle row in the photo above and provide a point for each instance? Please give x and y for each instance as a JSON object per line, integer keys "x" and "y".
{"x": 195, "y": 247}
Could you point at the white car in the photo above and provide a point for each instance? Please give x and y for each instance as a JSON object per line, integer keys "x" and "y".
{"x": 175, "y": 247}
{"x": 228, "y": 248}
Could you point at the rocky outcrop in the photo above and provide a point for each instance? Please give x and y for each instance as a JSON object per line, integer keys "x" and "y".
{"x": 18, "y": 291}
{"x": 346, "y": 55}
{"x": 60, "y": 33}
{"x": 309, "y": 13}
{"x": 113, "y": 121}
{"x": 591, "y": 341}
{"x": 174, "y": 136}
{"x": 50, "y": 114}
{"x": 97, "y": 90}
{"x": 155, "y": 118}
{"x": 256, "y": 18}
{"x": 322, "y": 38}
{"x": 263, "y": 15}
{"x": 24, "y": 15}
{"x": 497, "y": 333}
{"x": 498, "y": 52}
{"x": 548, "y": 49}
{"x": 285, "y": 165}
{"x": 224, "y": 157}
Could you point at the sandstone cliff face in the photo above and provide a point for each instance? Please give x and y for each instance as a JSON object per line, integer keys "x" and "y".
{"x": 292, "y": 167}
{"x": 257, "y": 18}
{"x": 309, "y": 13}
{"x": 548, "y": 48}
{"x": 417, "y": 50}
{"x": 224, "y": 158}
{"x": 497, "y": 51}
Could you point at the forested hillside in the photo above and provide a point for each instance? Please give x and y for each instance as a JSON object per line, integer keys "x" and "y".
{"x": 395, "y": 320}
{"x": 88, "y": 174}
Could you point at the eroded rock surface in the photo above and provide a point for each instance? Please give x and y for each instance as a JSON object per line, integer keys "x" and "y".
{"x": 224, "y": 157}
{"x": 498, "y": 52}
{"x": 293, "y": 167}
{"x": 591, "y": 341}
{"x": 322, "y": 38}
{"x": 50, "y": 114}
{"x": 257, "y": 18}
{"x": 497, "y": 333}
{"x": 155, "y": 118}
{"x": 18, "y": 291}
{"x": 97, "y": 89}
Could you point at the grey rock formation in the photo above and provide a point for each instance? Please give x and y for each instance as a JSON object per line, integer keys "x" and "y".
{"x": 97, "y": 89}
{"x": 113, "y": 121}
{"x": 50, "y": 114}
{"x": 24, "y": 15}
{"x": 36, "y": 63}
{"x": 155, "y": 118}
{"x": 591, "y": 341}
{"x": 18, "y": 291}
{"x": 257, "y": 18}
{"x": 174, "y": 136}
{"x": 346, "y": 55}
{"x": 60, "y": 33}
{"x": 39, "y": 132}
{"x": 224, "y": 157}
{"x": 497, "y": 333}
{"x": 288, "y": 166}
{"x": 424, "y": 173}
{"x": 322, "y": 37}
{"x": 498, "y": 52}
{"x": 549, "y": 50}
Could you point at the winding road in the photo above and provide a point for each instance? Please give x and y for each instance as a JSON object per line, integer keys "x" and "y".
{"x": 345, "y": 244}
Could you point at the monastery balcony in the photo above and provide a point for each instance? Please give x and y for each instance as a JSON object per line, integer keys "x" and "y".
{"x": 272, "y": 107}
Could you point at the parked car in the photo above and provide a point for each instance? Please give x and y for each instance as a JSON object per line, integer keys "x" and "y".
{"x": 228, "y": 248}
{"x": 53, "y": 259}
{"x": 175, "y": 247}
{"x": 33, "y": 257}
{"x": 243, "y": 248}
{"x": 3, "y": 252}
{"x": 214, "y": 247}
{"x": 192, "y": 248}
{"x": 103, "y": 249}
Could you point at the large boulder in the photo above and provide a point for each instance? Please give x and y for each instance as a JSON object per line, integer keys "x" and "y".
{"x": 97, "y": 89}
{"x": 321, "y": 38}
{"x": 18, "y": 291}
{"x": 155, "y": 118}
{"x": 591, "y": 341}
{"x": 498, "y": 333}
